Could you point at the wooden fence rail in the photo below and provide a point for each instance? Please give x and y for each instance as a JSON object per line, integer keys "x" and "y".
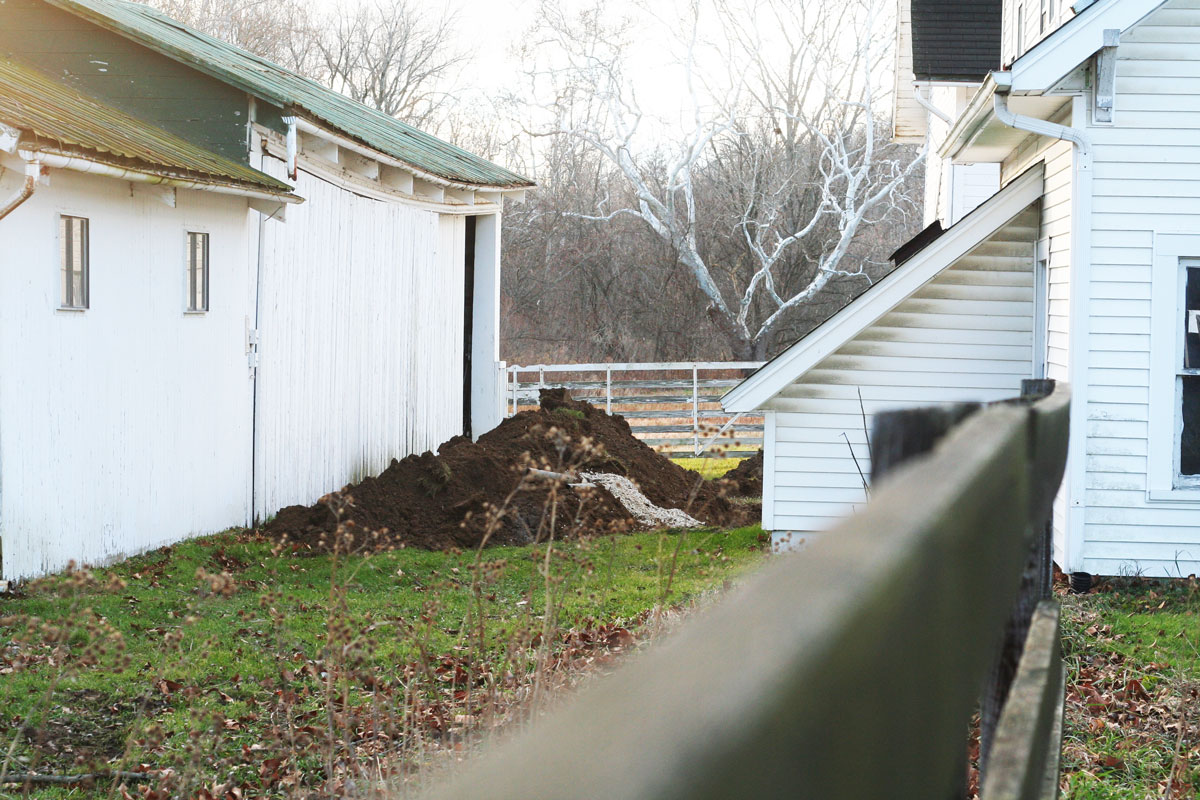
{"x": 672, "y": 406}
{"x": 849, "y": 670}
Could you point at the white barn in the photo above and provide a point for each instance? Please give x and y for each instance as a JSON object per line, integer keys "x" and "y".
{"x": 223, "y": 289}
{"x": 1063, "y": 194}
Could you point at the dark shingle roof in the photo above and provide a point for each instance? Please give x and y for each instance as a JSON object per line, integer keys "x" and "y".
{"x": 955, "y": 40}
{"x": 55, "y": 118}
{"x": 261, "y": 78}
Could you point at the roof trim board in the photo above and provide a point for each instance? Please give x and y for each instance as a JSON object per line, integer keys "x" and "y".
{"x": 920, "y": 268}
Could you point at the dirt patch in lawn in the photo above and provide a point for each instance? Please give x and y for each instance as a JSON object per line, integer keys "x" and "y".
{"x": 445, "y": 500}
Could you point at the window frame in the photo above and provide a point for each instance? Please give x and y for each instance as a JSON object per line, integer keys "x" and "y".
{"x": 86, "y": 266}
{"x": 1173, "y": 254}
{"x": 189, "y": 232}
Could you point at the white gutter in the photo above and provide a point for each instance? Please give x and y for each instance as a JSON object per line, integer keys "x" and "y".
{"x": 77, "y": 164}
{"x": 33, "y": 169}
{"x": 1081, "y": 268}
{"x": 363, "y": 150}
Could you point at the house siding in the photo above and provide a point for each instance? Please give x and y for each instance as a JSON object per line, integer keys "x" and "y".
{"x": 126, "y": 426}
{"x": 361, "y": 355}
{"x": 965, "y": 335}
{"x": 1146, "y": 183}
{"x": 1034, "y": 29}
{"x": 1054, "y": 244}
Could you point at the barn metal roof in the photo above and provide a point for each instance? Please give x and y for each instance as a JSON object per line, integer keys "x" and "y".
{"x": 263, "y": 79}
{"x": 53, "y": 117}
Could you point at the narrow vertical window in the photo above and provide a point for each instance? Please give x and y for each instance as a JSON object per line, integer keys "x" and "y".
{"x": 1189, "y": 377}
{"x": 73, "y": 258}
{"x": 1020, "y": 30}
{"x": 197, "y": 272}
{"x": 1045, "y": 16}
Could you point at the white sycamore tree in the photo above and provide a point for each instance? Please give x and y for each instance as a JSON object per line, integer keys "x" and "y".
{"x": 793, "y": 123}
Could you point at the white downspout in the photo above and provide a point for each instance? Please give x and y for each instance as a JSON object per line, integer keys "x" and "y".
{"x": 33, "y": 170}
{"x": 927, "y": 104}
{"x": 1081, "y": 290}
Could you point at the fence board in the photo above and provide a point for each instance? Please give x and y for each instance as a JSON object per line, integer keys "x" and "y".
{"x": 1024, "y": 759}
{"x": 848, "y": 671}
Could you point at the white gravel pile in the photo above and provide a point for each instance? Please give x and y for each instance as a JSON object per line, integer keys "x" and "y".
{"x": 639, "y": 505}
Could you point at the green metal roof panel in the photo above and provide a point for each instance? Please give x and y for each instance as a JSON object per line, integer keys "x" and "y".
{"x": 272, "y": 83}
{"x": 56, "y": 117}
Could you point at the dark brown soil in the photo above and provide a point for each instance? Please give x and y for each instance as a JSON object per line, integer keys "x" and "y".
{"x": 449, "y": 499}
{"x": 746, "y": 479}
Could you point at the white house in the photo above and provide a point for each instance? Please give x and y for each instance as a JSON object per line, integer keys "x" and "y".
{"x": 223, "y": 288}
{"x": 1082, "y": 265}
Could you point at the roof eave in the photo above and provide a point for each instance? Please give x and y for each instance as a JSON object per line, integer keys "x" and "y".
{"x": 86, "y": 161}
{"x": 340, "y": 136}
{"x": 974, "y": 116}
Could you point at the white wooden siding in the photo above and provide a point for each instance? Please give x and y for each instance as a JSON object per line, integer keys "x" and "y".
{"x": 972, "y": 184}
{"x": 965, "y": 335}
{"x": 1054, "y": 242}
{"x": 1147, "y": 183}
{"x": 126, "y": 426}
{"x": 361, "y": 320}
{"x": 1035, "y": 31}
{"x": 908, "y": 117}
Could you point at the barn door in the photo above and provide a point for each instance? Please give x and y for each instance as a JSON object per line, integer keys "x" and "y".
{"x": 468, "y": 320}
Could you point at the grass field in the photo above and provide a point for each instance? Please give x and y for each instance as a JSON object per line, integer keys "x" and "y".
{"x": 236, "y": 666}
{"x": 710, "y": 468}
{"x": 1133, "y": 709}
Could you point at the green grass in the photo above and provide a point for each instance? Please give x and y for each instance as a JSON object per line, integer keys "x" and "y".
{"x": 1119, "y": 742}
{"x": 710, "y": 468}
{"x": 242, "y": 645}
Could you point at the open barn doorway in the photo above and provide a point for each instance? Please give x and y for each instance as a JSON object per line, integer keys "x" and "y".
{"x": 468, "y": 320}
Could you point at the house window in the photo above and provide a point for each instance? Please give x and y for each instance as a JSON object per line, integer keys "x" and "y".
{"x": 197, "y": 271}
{"x": 1045, "y": 15}
{"x": 1020, "y": 30}
{"x": 73, "y": 261}
{"x": 1188, "y": 380}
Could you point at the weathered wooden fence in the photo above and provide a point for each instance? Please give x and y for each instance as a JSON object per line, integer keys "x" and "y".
{"x": 850, "y": 670}
{"x": 674, "y": 407}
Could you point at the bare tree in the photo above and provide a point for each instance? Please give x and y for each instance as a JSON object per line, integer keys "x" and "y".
{"x": 801, "y": 118}
{"x": 277, "y": 30}
{"x": 389, "y": 55}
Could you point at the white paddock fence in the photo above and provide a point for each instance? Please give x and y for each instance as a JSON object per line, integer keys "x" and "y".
{"x": 673, "y": 406}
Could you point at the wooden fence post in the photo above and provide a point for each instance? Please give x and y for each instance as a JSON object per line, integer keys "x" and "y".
{"x": 897, "y": 436}
{"x": 1036, "y": 576}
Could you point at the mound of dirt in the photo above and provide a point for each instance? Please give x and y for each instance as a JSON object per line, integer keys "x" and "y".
{"x": 446, "y": 500}
{"x": 746, "y": 479}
